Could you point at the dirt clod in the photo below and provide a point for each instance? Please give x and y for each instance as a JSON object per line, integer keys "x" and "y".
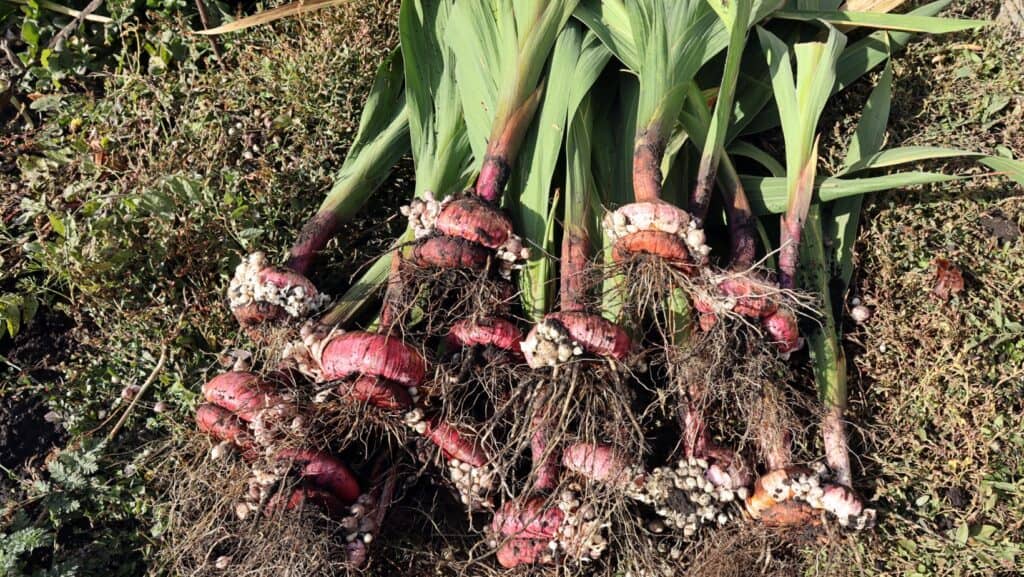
{"x": 1000, "y": 227}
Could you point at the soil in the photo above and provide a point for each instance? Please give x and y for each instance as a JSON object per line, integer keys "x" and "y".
{"x": 24, "y": 431}
{"x": 1000, "y": 227}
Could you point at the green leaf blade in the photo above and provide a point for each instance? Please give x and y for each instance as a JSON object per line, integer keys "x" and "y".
{"x": 898, "y": 22}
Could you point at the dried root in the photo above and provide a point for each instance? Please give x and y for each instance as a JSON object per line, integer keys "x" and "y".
{"x": 205, "y": 536}
{"x": 430, "y": 300}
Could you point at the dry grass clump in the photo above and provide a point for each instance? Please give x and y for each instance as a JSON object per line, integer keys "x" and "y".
{"x": 431, "y": 299}
{"x": 203, "y": 535}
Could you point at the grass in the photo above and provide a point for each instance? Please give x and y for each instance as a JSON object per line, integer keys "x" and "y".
{"x": 125, "y": 210}
{"x": 939, "y": 388}
{"x": 124, "y": 214}
{"x": 935, "y": 385}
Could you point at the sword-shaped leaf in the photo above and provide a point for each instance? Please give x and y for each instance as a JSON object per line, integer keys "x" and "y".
{"x": 578, "y": 57}
{"x": 900, "y": 22}
{"x": 440, "y": 145}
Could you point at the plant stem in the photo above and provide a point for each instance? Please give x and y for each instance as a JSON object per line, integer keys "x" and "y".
{"x": 574, "y": 278}
{"x": 503, "y": 146}
{"x": 205, "y": 20}
{"x": 393, "y": 295}
{"x": 833, "y": 431}
{"x": 742, "y": 224}
{"x": 546, "y": 463}
{"x": 363, "y": 172}
{"x": 142, "y": 391}
{"x": 793, "y": 221}
{"x": 313, "y": 237}
{"x": 573, "y": 282}
{"x": 521, "y": 91}
{"x": 360, "y": 294}
{"x": 829, "y": 359}
{"x": 719, "y": 124}
{"x": 648, "y": 149}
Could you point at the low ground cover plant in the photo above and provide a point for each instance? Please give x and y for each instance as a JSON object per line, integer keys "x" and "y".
{"x": 668, "y": 395}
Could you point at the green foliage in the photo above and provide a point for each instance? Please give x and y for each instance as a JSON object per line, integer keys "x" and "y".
{"x": 441, "y": 146}
{"x": 17, "y": 543}
{"x": 130, "y": 211}
{"x": 74, "y": 496}
{"x": 674, "y": 40}
{"x": 16, "y": 310}
{"x": 800, "y": 101}
{"x": 504, "y": 47}
{"x": 900, "y": 22}
{"x": 579, "y": 56}
{"x": 124, "y": 213}
{"x": 47, "y": 64}
{"x": 380, "y": 141}
{"x": 509, "y": 50}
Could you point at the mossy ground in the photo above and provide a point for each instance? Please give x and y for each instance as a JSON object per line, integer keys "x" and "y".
{"x": 124, "y": 211}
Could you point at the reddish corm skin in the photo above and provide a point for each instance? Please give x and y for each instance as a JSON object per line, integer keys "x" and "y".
{"x": 356, "y": 553}
{"x": 450, "y": 252}
{"x": 784, "y": 330}
{"x": 260, "y": 312}
{"x": 545, "y": 461}
{"x": 753, "y": 298}
{"x": 324, "y": 471}
{"x": 303, "y": 494}
{"x": 707, "y": 321}
{"x": 841, "y": 500}
{"x": 517, "y": 552}
{"x": 378, "y": 392}
{"x": 706, "y": 316}
{"x": 595, "y": 334}
{"x": 597, "y": 462}
{"x": 220, "y": 424}
{"x": 455, "y": 444}
{"x": 492, "y": 331}
{"x": 726, "y": 468}
{"x": 527, "y": 520}
{"x": 791, "y": 514}
{"x": 372, "y": 354}
{"x": 243, "y": 393}
{"x": 257, "y": 313}
{"x": 723, "y": 463}
{"x": 669, "y": 247}
{"x": 472, "y": 219}
{"x": 648, "y": 150}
